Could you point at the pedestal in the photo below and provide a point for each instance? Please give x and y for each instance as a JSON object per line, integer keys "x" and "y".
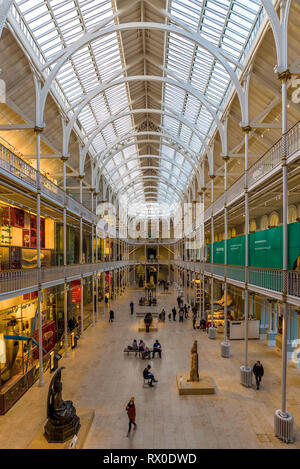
{"x": 246, "y": 376}
{"x": 205, "y": 385}
{"x": 152, "y": 328}
{"x": 212, "y": 333}
{"x": 225, "y": 349}
{"x": 57, "y": 433}
{"x": 284, "y": 426}
{"x": 86, "y": 419}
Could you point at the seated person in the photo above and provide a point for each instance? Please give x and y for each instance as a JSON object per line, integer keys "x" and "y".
{"x": 146, "y": 353}
{"x": 156, "y": 348}
{"x": 142, "y": 345}
{"x": 134, "y": 345}
{"x": 147, "y": 374}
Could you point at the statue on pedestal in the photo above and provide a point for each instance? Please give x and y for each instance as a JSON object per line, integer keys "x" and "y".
{"x": 148, "y": 321}
{"x": 62, "y": 423}
{"x": 194, "y": 373}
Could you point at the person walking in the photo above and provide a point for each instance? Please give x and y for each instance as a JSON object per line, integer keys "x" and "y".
{"x": 111, "y": 316}
{"x": 194, "y": 319}
{"x": 131, "y": 412}
{"x": 174, "y": 313}
{"x": 178, "y": 301}
{"x": 181, "y": 311}
{"x": 185, "y": 311}
{"x": 131, "y": 307}
{"x": 258, "y": 371}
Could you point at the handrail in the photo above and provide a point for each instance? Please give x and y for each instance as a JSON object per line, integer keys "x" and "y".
{"x": 266, "y": 163}
{"x": 24, "y": 171}
{"x": 14, "y": 281}
{"x": 263, "y": 277}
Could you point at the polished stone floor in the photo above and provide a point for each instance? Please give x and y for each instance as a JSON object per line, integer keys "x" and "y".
{"x": 100, "y": 376}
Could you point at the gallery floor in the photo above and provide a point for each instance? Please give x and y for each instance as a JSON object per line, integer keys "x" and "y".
{"x": 100, "y": 376}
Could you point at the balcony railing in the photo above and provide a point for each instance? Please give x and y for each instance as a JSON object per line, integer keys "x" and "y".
{"x": 269, "y": 279}
{"x": 21, "y": 170}
{"x": 267, "y": 163}
{"x": 20, "y": 280}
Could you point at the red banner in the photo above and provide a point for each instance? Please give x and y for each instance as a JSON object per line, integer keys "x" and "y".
{"x": 49, "y": 337}
{"x": 76, "y": 291}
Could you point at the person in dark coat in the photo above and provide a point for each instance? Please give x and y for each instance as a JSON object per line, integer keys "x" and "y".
{"x": 131, "y": 412}
{"x": 111, "y": 316}
{"x": 258, "y": 371}
{"x": 174, "y": 313}
{"x": 131, "y": 307}
{"x": 147, "y": 374}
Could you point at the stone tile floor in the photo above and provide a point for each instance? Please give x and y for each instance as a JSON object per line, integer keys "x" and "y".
{"x": 100, "y": 376}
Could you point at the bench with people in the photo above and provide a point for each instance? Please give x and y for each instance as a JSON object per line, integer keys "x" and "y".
{"x": 144, "y": 302}
{"x": 143, "y": 350}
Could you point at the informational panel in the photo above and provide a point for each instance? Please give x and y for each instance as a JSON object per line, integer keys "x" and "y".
{"x": 265, "y": 248}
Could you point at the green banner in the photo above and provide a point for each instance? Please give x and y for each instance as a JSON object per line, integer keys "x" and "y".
{"x": 236, "y": 250}
{"x": 265, "y": 248}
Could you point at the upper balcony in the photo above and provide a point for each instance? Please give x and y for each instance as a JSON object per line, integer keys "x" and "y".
{"x": 17, "y": 170}
{"x": 265, "y": 281}
{"x": 263, "y": 169}
{"x": 19, "y": 282}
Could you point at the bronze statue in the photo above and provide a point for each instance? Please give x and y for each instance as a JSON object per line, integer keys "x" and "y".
{"x": 148, "y": 321}
{"x": 62, "y": 423}
{"x": 194, "y": 373}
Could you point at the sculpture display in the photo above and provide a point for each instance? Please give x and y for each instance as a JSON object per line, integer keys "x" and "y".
{"x": 194, "y": 372}
{"x": 148, "y": 321}
{"x": 193, "y": 383}
{"x": 62, "y": 423}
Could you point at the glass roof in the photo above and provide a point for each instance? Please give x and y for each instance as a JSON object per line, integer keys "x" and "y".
{"x": 55, "y": 24}
{"x": 229, "y": 24}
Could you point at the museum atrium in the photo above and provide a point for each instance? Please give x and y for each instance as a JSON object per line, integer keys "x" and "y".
{"x": 149, "y": 151}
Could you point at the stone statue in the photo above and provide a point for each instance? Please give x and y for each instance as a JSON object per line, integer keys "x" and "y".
{"x": 194, "y": 373}
{"x": 62, "y": 423}
{"x": 148, "y": 321}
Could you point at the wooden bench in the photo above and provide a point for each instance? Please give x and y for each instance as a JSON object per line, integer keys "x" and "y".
{"x": 128, "y": 351}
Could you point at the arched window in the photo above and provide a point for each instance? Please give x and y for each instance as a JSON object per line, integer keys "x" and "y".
{"x": 264, "y": 222}
{"x": 252, "y": 226}
{"x": 292, "y": 214}
{"x": 274, "y": 220}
